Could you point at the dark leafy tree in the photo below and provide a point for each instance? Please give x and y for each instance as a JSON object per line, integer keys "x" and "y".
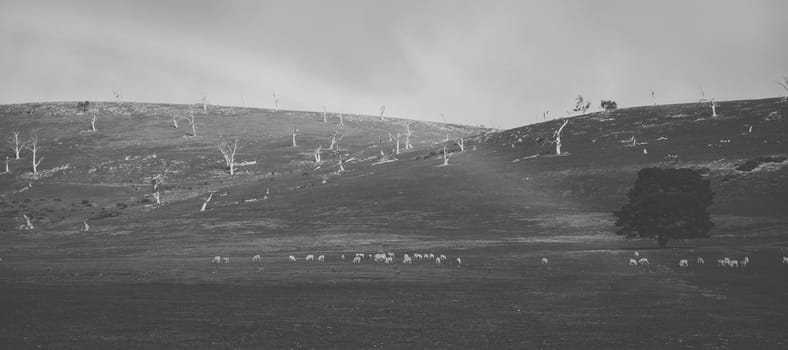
{"x": 666, "y": 204}
{"x": 608, "y": 105}
{"x": 581, "y": 105}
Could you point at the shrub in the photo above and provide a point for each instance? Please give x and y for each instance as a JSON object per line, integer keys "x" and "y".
{"x": 608, "y": 105}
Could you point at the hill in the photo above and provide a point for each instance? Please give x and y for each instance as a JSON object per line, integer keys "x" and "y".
{"x": 500, "y": 205}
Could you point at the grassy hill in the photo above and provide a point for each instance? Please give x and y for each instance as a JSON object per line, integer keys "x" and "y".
{"x": 501, "y": 205}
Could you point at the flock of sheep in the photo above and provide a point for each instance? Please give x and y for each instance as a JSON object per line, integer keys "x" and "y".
{"x": 723, "y": 262}
{"x": 385, "y": 258}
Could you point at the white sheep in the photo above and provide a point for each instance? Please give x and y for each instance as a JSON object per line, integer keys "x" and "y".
{"x": 226, "y": 260}
{"x": 388, "y": 260}
{"x": 292, "y": 258}
{"x": 361, "y": 255}
{"x": 684, "y": 263}
{"x": 643, "y": 261}
{"x": 256, "y": 258}
{"x": 544, "y": 261}
{"x": 407, "y": 260}
{"x": 217, "y": 260}
{"x": 310, "y": 257}
{"x": 721, "y": 262}
{"x": 785, "y": 260}
{"x": 432, "y": 256}
{"x": 321, "y": 258}
{"x": 443, "y": 257}
{"x": 734, "y": 263}
{"x": 633, "y": 262}
{"x": 746, "y": 260}
{"x": 342, "y": 257}
{"x": 418, "y": 256}
{"x": 459, "y": 261}
{"x": 357, "y": 260}
{"x": 637, "y": 254}
{"x": 438, "y": 260}
{"x": 700, "y": 261}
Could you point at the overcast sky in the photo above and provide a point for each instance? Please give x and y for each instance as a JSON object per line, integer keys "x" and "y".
{"x": 498, "y": 63}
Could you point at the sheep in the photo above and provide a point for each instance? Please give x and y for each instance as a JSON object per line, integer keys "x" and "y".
{"x": 746, "y": 260}
{"x": 407, "y": 260}
{"x": 684, "y": 263}
{"x": 785, "y": 260}
{"x": 700, "y": 261}
{"x": 443, "y": 257}
{"x": 734, "y": 263}
{"x": 217, "y": 260}
{"x": 342, "y": 257}
{"x": 292, "y": 259}
{"x": 390, "y": 254}
{"x": 256, "y": 258}
{"x": 459, "y": 261}
{"x": 544, "y": 261}
{"x": 361, "y": 255}
{"x": 438, "y": 260}
{"x": 226, "y": 260}
{"x": 633, "y": 262}
{"x": 637, "y": 254}
{"x": 380, "y": 257}
{"x": 418, "y": 256}
{"x": 357, "y": 260}
{"x": 321, "y": 258}
{"x": 310, "y": 257}
{"x": 721, "y": 262}
{"x": 643, "y": 261}
{"x": 432, "y": 256}
{"x": 388, "y": 260}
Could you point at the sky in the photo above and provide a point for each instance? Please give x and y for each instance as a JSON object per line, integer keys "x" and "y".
{"x": 498, "y": 63}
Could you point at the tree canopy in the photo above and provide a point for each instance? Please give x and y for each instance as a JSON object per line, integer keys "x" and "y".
{"x": 666, "y": 203}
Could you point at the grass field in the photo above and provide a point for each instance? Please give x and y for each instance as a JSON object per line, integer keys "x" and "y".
{"x": 142, "y": 276}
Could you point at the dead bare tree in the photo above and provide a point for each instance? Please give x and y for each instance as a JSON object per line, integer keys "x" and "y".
{"x": 461, "y": 144}
{"x": 784, "y": 85}
{"x": 341, "y": 121}
{"x": 156, "y": 182}
{"x": 341, "y": 162}
{"x": 7, "y": 170}
{"x": 276, "y": 102}
{"x": 382, "y": 110}
{"x": 32, "y": 146}
{"x": 398, "y": 136}
{"x": 117, "y": 95}
{"x": 93, "y": 123}
{"x": 295, "y": 131}
{"x": 407, "y": 137}
{"x": 713, "y": 108}
{"x": 558, "y": 137}
{"x": 581, "y": 105}
{"x": 653, "y": 97}
{"x": 228, "y": 152}
{"x": 16, "y": 144}
{"x": 85, "y": 225}
{"x": 204, "y": 102}
{"x": 445, "y": 156}
{"x": 317, "y": 153}
{"x": 192, "y": 121}
{"x": 174, "y": 122}
{"x": 205, "y": 201}
{"x": 325, "y": 115}
{"x": 333, "y": 142}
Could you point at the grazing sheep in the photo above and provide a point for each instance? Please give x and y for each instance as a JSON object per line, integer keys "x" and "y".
{"x": 217, "y": 260}
{"x": 310, "y": 257}
{"x": 633, "y": 262}
{"x": 361, "y": 255}
{"x": 342, "y": 257}
{"x": 459, "y": 261}
{"x": 746, "y": 260}
{"x": 684, "y": 263}
{"x": 321, "y": 258}
{"x": 225, "y": 260}
{"x": 418, "y": 256}
{"x": 357, "y": 260}
{"x": 292, "y": 258}
{"x": 637, "y": 254}
{"x": 727, "y": 260}
{"x": 643, "y": 261}
{"x": 544, "y": 261}
{"x": 406, "y": 260}
{"x": 443, "y": 257}
{"x": 438, "y": 260}
{"x": 700, "y": 261}
{"x": 388, "y": 260}
{"x": 380, "y": 257}
{"x": 256, "y": 258}
{"x": 785, "y": 260}
{"x": 721, "y": 262}
{"x": 734, "y": 263}
{"x": 432, "y": 256}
